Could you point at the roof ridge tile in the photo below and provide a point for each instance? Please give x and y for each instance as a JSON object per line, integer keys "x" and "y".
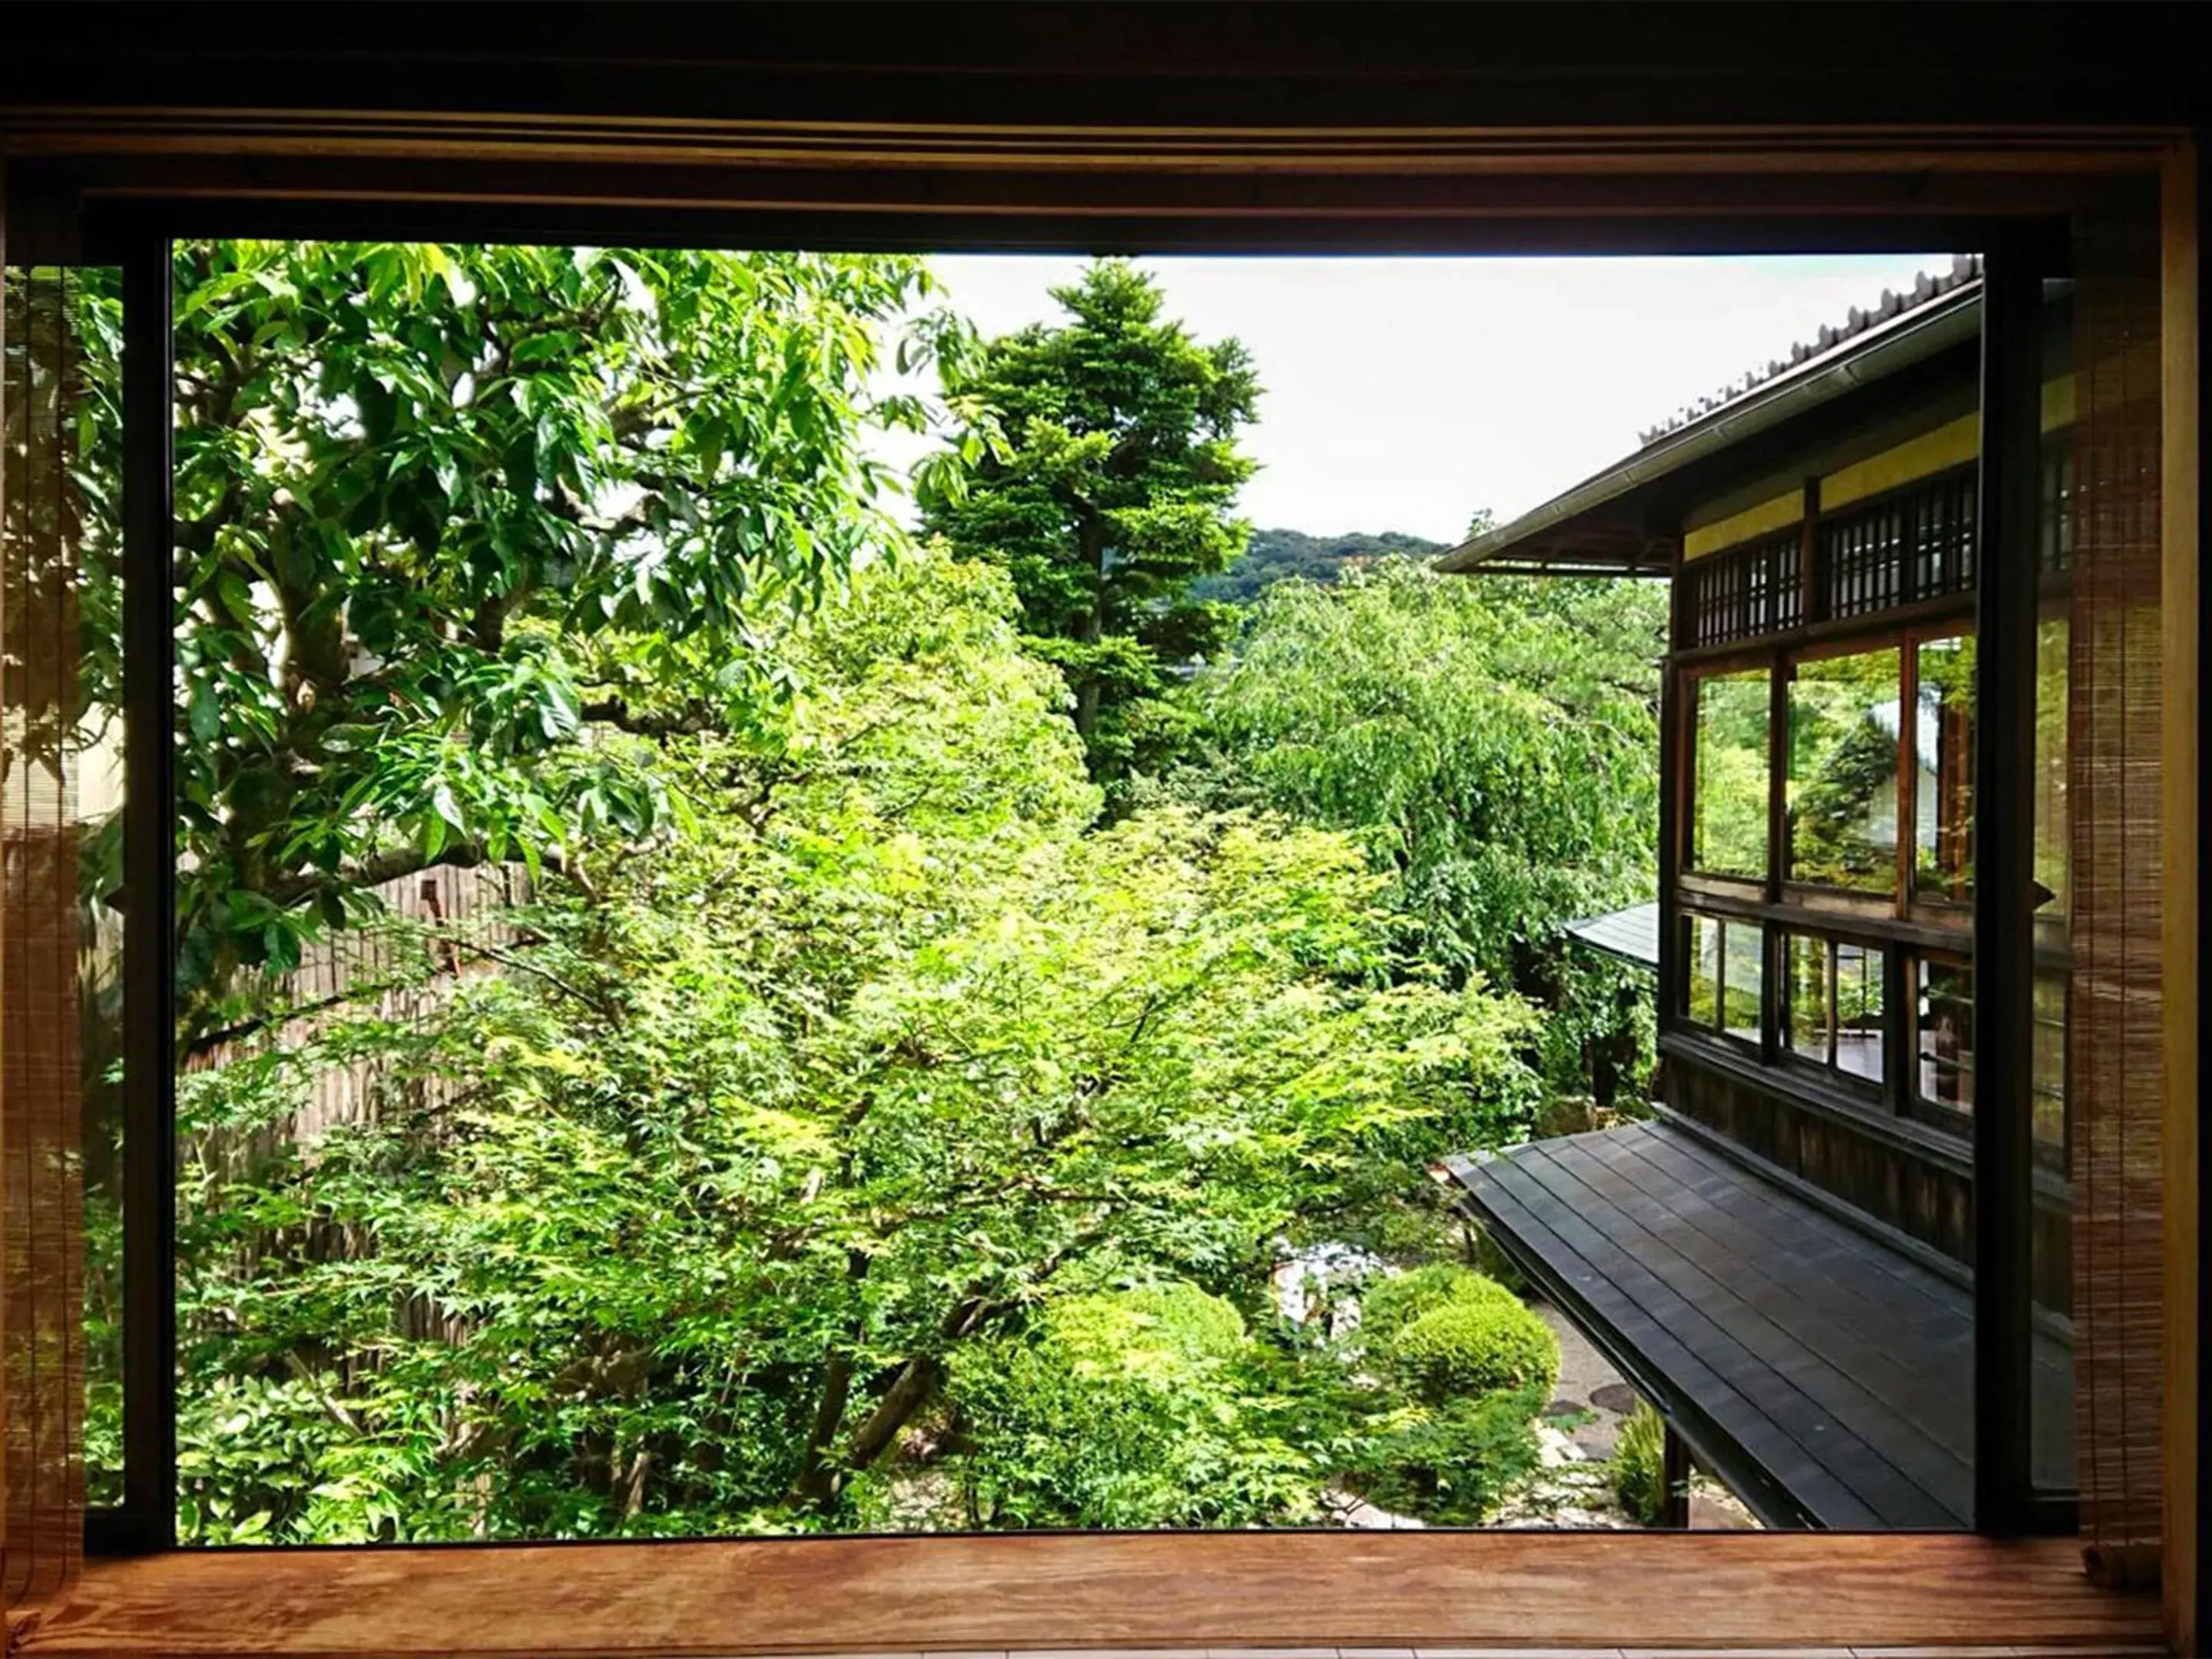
{"x": 1927, "y": 286}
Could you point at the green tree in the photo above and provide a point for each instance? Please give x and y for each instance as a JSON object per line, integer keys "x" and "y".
{"x": 1103, "y": 463}
{"x": 879, "y": 1052}
{"x": 442, "y": 512}
{"x": 1493, "y": 738}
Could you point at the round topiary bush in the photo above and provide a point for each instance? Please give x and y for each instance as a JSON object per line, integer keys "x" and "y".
{"x": 1388, "y": 1303}
{"x": 1477, "y": 1338}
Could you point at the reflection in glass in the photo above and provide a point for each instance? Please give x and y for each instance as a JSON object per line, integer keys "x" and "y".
{"x": 1833, "y": 1004}
{"x": 1727, "y": 824}
{"x": 2053, "y": 825}
{"x": 1943, "y": 771}
{"x": 1745, "y": 980}
{"x": 1843, "y": 715}
{"x": 1946, "y": 1021}
{"x": 2047, "y": 1065}
{"x": 1809, "y": 1023}
{"x": 1704, "y": 971}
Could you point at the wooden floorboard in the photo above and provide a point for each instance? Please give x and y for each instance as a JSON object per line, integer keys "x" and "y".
{"x": 1698, "y": 1593}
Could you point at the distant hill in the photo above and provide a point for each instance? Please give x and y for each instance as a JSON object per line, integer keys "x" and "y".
{"x": 1275, "y": 554}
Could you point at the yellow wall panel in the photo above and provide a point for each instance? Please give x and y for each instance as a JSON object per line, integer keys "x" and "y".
{"x": 1953, "y": 444}
{"x": 1765, "y": 519}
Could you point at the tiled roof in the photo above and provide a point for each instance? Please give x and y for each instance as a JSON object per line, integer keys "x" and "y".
{"x": 1631, "y": 934}
{"x": 1927, "y": 286}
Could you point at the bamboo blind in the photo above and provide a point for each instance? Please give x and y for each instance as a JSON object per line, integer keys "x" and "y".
{"x": 41, "y": 1245}
{"x": 2115, "y": 1067}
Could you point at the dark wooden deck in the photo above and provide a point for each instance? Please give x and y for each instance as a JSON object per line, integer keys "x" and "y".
{"x": 1823, "y": 1374}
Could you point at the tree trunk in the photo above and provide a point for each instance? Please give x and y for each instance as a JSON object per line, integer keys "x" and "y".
{"x": 816, "y": 1482}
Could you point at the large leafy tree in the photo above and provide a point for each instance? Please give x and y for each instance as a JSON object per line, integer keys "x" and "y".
{"x": 1494, "y": 737}
{"x": 882, "y": 1053}
{"x": 1105, "y": 487}
{"x": 442, "y": 512}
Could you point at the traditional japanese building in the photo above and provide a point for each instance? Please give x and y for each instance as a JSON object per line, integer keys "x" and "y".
{"x": 1781, "y": 1256}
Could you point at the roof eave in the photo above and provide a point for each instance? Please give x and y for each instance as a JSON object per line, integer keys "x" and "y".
{"x": 1913, "y": 337}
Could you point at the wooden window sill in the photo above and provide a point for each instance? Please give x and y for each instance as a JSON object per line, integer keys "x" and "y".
{"x": 1707, "y": 1592}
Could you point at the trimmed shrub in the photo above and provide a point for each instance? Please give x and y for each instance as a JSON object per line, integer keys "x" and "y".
{"x": 1473, "y": 1337}
{"x": 1449, "y": 1463}
{"x": 1391, "y": 1301}
{"x": 1463, "y": 1368}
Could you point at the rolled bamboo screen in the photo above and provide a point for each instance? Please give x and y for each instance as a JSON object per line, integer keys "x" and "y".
{"x": 42, "y": 1243}
{"x": 2115, "y": 1078}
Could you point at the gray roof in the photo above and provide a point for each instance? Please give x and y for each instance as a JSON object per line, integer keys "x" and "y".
{"x": 1631, "y": 934}
{"x": 1596, "y": 526}
{"x": 1927, "y": 286}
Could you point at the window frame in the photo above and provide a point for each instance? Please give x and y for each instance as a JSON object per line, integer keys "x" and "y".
{"x": 1896, "y": 923}
{"x": 559, "y": 1599}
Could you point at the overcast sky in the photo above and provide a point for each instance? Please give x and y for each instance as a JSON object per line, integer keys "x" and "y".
{"x": 1402, "y": 394}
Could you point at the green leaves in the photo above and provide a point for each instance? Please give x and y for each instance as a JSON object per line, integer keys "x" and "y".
{"x": 1096, "y": 461}
{"x": 881, "y": 1061}
{"x": 1493, "y": 740}
{"x": 435, "y": 497}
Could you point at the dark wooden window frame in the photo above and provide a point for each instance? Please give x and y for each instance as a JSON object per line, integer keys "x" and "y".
{"x": 984, "y": 1592}
{"x": 1894, "y": 921}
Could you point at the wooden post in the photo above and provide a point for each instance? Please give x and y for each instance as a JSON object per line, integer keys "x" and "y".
{"x": 1673, "y": 790}
{"x": 1675, "y": 1475}
{"x": 2182, "y": 598}
{"x": 2004, "y": 797}
{"x": 149, "y": 1300}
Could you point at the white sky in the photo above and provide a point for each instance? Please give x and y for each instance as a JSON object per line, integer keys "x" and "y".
{"x": 1402, "y": 394}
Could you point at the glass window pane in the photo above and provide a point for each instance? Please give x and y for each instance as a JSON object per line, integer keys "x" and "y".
{"x": 1705, "y": 969}
{"x": 1943, "y": 780}
{"x": 1747, "y": 976}
{"x": 1947, "y": 1035}
{"x": 1844, "y": 714}
{"x": 2048, "y": 1059}
{"x": 1728, "y": 818}
{"x": 2053, "y": 827}
{"x": 1858, "y": 1011}
{"x": 1809, "y": 1014}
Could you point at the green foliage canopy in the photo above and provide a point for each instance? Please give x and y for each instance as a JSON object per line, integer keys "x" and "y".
{"x": 1494, "y": 740}
{"x": 881, "y": 1052}
{"x": 1497, "y": 735}
{"x": 441, "y": 511}
{"x": 1101, "y": 462}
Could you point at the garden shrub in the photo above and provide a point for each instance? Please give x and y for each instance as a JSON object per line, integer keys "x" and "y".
{"x": 1125, "y": 1409}
{"x": 1638, "y": 1468}
{"x": 1448, "y": 1462}
{"x": 1456, "y": 1334}
{"x": 1460, "y": 1367}
{"x": 1391, "y": 1301}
